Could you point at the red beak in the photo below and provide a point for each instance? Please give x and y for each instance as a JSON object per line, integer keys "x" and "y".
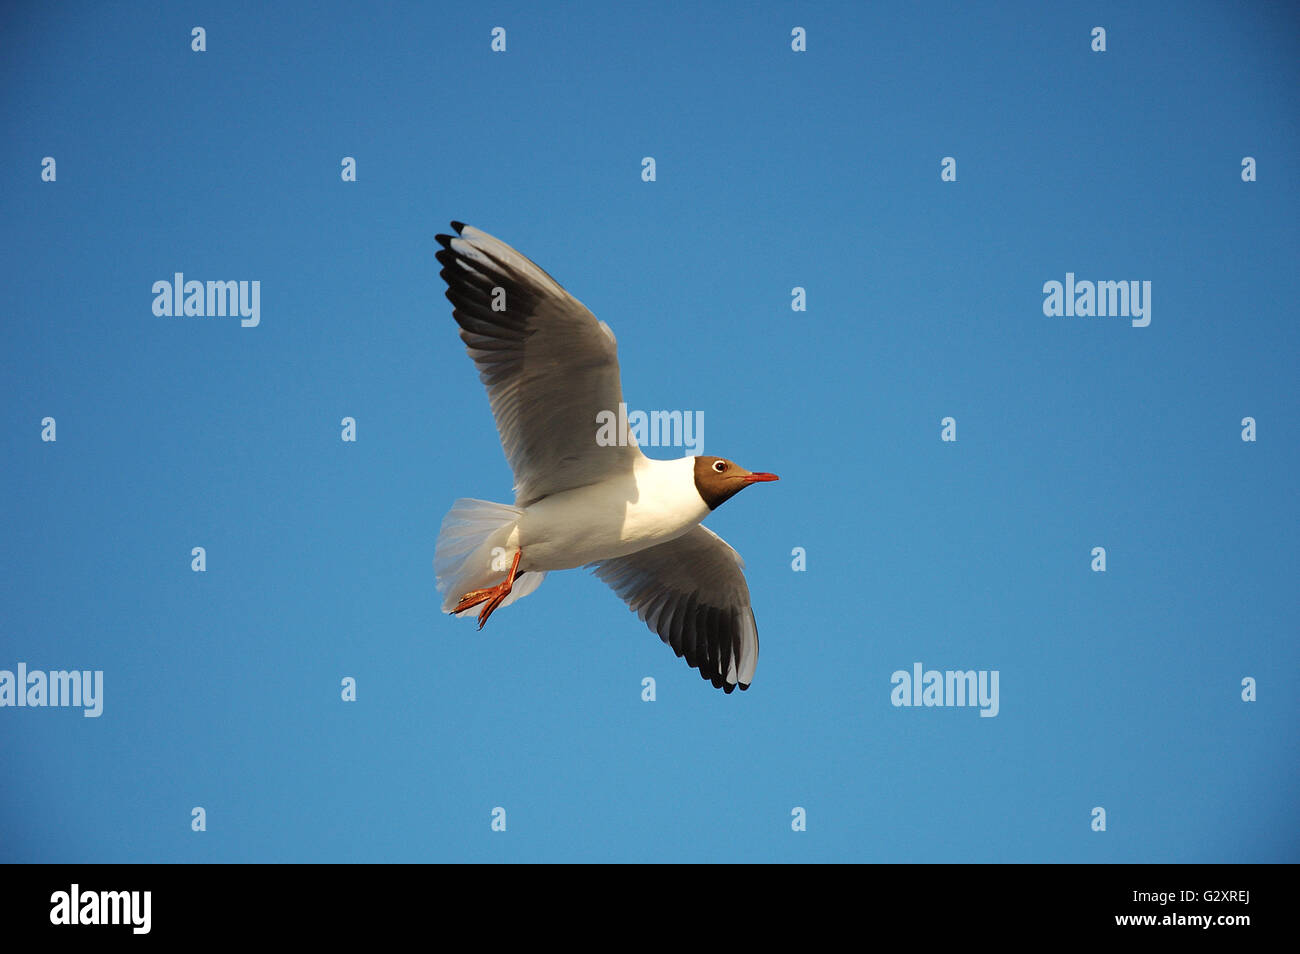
{"x": 759, "y": 478}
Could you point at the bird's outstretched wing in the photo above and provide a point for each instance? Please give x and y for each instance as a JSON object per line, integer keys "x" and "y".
{"x": 549, "y": 365}
{"x": 691, "y": 591}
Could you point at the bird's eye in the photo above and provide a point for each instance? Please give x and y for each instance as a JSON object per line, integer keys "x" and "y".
{"x": 719, "y": 465}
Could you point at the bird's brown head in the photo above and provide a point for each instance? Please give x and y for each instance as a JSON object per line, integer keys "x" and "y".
{"x": 718, "y": 479}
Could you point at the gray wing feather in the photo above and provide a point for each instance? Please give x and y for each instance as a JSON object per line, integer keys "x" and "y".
{"x": 691, "y": 591}
{"x": 549, "y": 365}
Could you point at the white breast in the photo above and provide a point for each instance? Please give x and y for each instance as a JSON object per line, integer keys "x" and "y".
{"x": 654, "y": 503}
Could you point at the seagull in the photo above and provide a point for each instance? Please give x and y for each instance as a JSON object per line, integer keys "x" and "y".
{"x": 550, "y": 368}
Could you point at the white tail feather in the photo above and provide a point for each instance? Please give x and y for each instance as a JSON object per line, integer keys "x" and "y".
{"x": 464, "y": 559}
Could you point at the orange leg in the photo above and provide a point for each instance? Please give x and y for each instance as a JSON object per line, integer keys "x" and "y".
{"x": 493, "y": 596}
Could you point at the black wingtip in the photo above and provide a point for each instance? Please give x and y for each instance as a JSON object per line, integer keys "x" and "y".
{"x": 445, "y": 240}
{"x": 729, "y": 688}
{"x": 744, "y": 686}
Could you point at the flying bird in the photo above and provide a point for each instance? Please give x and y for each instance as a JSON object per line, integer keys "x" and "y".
{"x": 550, "y": 367}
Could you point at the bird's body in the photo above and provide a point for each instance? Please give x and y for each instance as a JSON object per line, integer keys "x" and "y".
{"x": 550, "y": 369}
{"x": 653, "y": 504}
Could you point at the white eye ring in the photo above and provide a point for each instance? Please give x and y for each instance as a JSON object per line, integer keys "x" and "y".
{"x": 719, "y": 465}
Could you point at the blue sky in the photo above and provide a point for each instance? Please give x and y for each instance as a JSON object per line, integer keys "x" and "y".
{"x": 774, "y": 169}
